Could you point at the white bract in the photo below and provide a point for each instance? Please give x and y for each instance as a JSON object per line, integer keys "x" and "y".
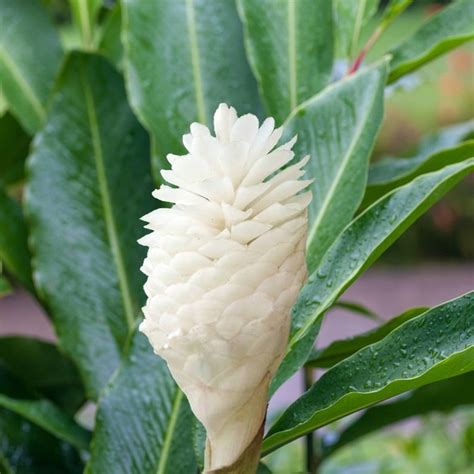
{"x": 225, "y": 265}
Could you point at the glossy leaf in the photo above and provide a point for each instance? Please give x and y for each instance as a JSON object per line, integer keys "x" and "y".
{"x": 14, "y": 145}
{"x": 441, "y": 396}
{"x": 338, "y": 129}
{"x": 143, "y": 422}
{"x": 44, "y": 370}
{"x": 435, "y": 345}
{"x": 13, "y": 240}
{"x": 289, "y": 45}
{"x": 183, "y": 58}
{"x": 444, "y": 31}
{"x": 339, "y": 350}
{"x": 390, "y": 173}
{"x": 356, "y": 248}
{"x": 27, "y": 72}
{"x": 48, "y": 417}
{"x": 350, "y": 17}
{"x": 89, "y": 183}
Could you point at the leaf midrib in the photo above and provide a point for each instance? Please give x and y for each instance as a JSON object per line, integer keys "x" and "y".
{"x": 195, "y": 62}
{"x": 28, "y": 91}
{"x": 163, "y": 459}
{"x": 335, "y": 182}
{"x": 112, "y": 233}
{"x": 291, "y": 14}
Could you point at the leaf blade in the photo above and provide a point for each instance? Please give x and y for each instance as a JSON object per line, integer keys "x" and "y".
{"x": 388, "y": 369}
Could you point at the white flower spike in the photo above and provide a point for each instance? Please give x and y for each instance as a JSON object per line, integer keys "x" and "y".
{"x": 225, "y": 265}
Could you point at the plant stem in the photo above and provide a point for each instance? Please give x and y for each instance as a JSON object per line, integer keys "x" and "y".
{"x": 312, "y": 459}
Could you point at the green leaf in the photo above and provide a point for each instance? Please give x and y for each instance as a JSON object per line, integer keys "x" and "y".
{"x": 84, "y": 14}
{"x": 356, "y": 248}
{"x": 435, "y": 345}
{"x": 350, "y": 17}
{"x": 339, "y": 350}
{"x": 289, "y": 45}
{"x": 13, "y": 240}
{"x": 433, "y": 154}
{"x": 27, "y": 449}
{"x": 441, "y": 396}
{"x": 446, "y": 30}
{"x": 14, "y": 145}
{"x": 89, "y": 183}
{"x": 43, "y": 369}
{"x": 183, "y": 58}
{"x": 30, "y": 55}
{"x": 48, "y": 417}
{"x": 338, "y": 129}
{"x": 110, "y": 45}
{"x": 358, "y": 309}
{"x": 143, "y": 422}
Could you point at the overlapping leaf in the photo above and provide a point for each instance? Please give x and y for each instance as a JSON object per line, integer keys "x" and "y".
{"x": 89, "y": 185}
{"x": 435, "y": 345}
{"x": 290, "y": 47}
{"x": 358, "y": 246}
{"x": 182, "y": 58}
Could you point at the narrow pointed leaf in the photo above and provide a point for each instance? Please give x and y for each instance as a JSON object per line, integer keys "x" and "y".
{"x": 289, "y": 45}
{"x": 339, "y": 350}
{"x": 110, "y": 45}
{"x": 14, "y": 251}
{"x": 442, "y": 396}
{"x": 435, "y": 345}
{"x": 44, "y": 370}
{"x": 350, "y": 17}
{"x": 446, "y": 30}
{"x": 358, "y": 308}
{"x": 27, "y": 73}
{"x": 390, "y": 173}
{"x": 182, "y": 58}
{"x": 143, "y": 420}
{"x": 357, "y": 247}
{"x": 338, "y": 129}
{"x": 5, "y": 287}
{"x": 89, "y": 183}
{"x": 47, "y": 416}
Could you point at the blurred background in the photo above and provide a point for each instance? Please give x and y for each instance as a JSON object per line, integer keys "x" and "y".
{"x": 431, "y": 263}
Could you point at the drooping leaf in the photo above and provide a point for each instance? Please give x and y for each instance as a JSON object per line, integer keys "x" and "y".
{"x": 182, "y": 58}
{"x": 13, "y": 240}
{"x": 339, "y": 350}
{"x": 14, "y": 145}
{"x": 43, "y": 369}
{"x": 444, "y": 31}
{"x": 89, "y": 183}
{"x": 350, "y": 17}
{"x": 5, "y": 287}
{"x": 338, "y": 129}
{"x": 289, "y": 45}
{"x": 433, "y": 346}
{"x": 51, "y": 419}
{"x": 84, "y": 14}
{"x": 27, "y": 72}
{"x": 356, "y": 248}
{"x": 441, "y": 396}
{"x": 143, "y": 422}
{"x": 391, "y": 173}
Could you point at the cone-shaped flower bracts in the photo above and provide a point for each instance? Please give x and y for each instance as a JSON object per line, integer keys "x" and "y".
{"x": 225, "y": 265}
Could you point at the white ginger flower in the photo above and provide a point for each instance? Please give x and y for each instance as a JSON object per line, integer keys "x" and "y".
{"x": 225, "y": 265}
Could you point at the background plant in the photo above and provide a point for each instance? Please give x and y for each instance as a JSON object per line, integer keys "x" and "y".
{"x": 96, "y": 94}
